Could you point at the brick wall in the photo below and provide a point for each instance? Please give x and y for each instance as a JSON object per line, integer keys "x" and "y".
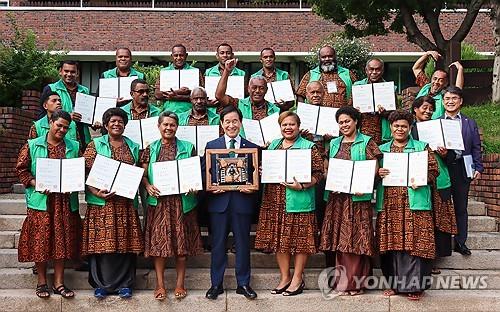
{"x": 487, "y": 189}
{"x": 14, "y": 127}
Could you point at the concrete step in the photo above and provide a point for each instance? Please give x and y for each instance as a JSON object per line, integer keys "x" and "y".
{"x": 484, "y": 240}
{"x": 309, "y": 301}
{"x": 9, "y": 239}
{"x": 476, "y": 208}
{"x": 262, "y": 279}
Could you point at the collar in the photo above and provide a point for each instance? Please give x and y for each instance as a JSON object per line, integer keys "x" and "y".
{"x": 237, "y": 139}
{"x": 457, "y": 116}
{"x": 191, "y": 114}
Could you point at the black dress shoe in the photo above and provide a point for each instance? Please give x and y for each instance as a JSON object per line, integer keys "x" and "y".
{"x": 214, "y": 292}
{"x": 246, "y": 291}
{"x": 462, "y": 249}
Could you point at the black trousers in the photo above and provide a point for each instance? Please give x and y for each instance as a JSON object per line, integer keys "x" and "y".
{"x": 460, "y": 193}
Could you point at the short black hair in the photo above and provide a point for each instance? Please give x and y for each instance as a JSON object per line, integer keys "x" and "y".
{"x": 69, "y": 62}
{"x": 137, "y": 81}
{"x": 114, "y": 111}
{"x": 454, "y": 90}
{"x": 267, "y": 49}
{"x": 421, "y": 100}
{"x": 230, "y": 109}
{"x": 179, "y": 45}
{"x": 124, "y": 48}
{"x": 168, "y": 114}
{"x": 400, "y": 114}
{"x": 351, "y": 112}
{"x": 45, "y": 97}
{"x": 224, "y": 44}
{"x": 60, "y": 114}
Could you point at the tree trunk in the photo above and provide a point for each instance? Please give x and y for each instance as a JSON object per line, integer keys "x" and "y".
{"x": 496, "y": 65}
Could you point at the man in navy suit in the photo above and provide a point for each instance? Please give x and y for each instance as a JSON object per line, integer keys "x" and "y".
{"x": 230, "y": 210}
{"x": 460, "y": 181}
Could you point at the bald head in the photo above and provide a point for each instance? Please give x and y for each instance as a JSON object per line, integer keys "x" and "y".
{"x": 315, "y": 92}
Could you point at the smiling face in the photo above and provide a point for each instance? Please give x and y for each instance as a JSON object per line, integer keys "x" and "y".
{"x": 179, "y": 56}
{"x": 59, "y": 128}
{"x": 52, "y": 104}
{"x": 439, "y": 80}
{"x": 290, "y": 128}
{"x": 267, "y": 59}
{"x": 257, "y": 89}
{"x": 199, "y": 100}
{"x": 424, "y": 112}
{"x": 115, "y": 126}
{"x": 123, "y": 59}
{"x": 224, "y": 53}
{"x": 452, "y": 103}
{"x": 68, "y": 73}
{"x": 374, "y": 71}
{"x": 347, "y": 125}
{"x": 231, "y": 124}
{"x": 400, "y": 130}
{"x": 168, "y": 127}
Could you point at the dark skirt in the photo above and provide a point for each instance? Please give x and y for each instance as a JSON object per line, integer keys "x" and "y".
{"x": 406, "y": 273}
{"x": 112, "y": 271}
{"x": 443, "y": 243}
{"x": 355, "y": 269}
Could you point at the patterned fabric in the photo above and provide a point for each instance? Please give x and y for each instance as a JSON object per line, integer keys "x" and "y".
{"x": 203, "y": 121}
{"x": 32, "y": 133}
{"x": 114, "y": 227}
{"x": 371, "y": 124}
{"x": 348, "y": 226}
{"x": 53, "y": 234}
{"x": 443, "y": 212}
{"x": 330, "y": 99}
{"x": 169, "y": 232}
{"x": 422, "y": 79}
{"x": 279, "y": 231}
{"x": 139, "y": 114}
{"x": 400, "y": 229}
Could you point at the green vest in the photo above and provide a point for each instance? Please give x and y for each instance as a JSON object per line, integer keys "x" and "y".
{"x": 298, "y": 201}
{"x": 177, "y": 106}
{"x": 67, "y": 104}
{"x": 213, "y": 118}
{"x": 280, "y": 74}
{"x": 385, "y": 127}
{"x": 358, "y": 152}
{"x": 439, "y": 109}
{"x": 245, "y": 106}
{"x": 112, "y": 73}
{"x": 103, "y": 148}
{"x": 184, "y": 150}
{"x": 315, "y": 75}
{"x": 38, "y": 149}
{"x": 42, "y": 128}
{"x": 420, "y": 199}
{"x": 153, "y": 111}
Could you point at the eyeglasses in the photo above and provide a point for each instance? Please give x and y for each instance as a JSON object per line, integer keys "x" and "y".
{"x": 142, "y": 91}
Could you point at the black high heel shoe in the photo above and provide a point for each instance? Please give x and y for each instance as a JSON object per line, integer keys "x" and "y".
{"x": 279, "y": 291}
{"x": 298, "y": 291}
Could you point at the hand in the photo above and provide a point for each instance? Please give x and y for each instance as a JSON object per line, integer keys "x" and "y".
{"x": 104, "y": 194}
{"x": 33, "y": 182}
{"x": 327, "y": 137}
{"x": 380, "y": 109}
{"x": 213, "y": 102}
{"x": 120, "y": 101}
{"x": 192, "y": 192}
{"x": 153, "y": 191}
{"x": 280, "y": 102}
{"x": 294, "y": 186}
{"x": 230, "y": 64}
{"x": 358, "y": 194}
{"x": 304, "y": 132}
{"x": 441, "y": 151}
{"x": 76, "y": 116}
{"x": 183, "y": 91}
{"x": 477, "y": 175}
{"x": 217, "y": 191}
{"x": 46, "y": 192}
{"x": 96, "y": 125}
{"x": 457, "y": 65}
{"x": 358, "y": 109}
{"x": 434, "y": 54}
{"x": 169, "y": 95}
{"x": 414, "y": 186}
{"x": 246, "y": 191}
{"x": 382, "y": 172}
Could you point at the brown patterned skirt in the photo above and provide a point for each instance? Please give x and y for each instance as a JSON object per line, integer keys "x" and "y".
{"x": 50, "y": 235}
{"x": 443, "y": 212}
{"x": 112, "y": 228}
{"x": 347, "y": 226}
{"x": 170, "y": 232}
{"x": 279, "y": 231}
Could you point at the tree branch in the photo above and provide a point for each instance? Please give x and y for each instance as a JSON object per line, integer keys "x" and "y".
{"x": 468, "y": 21}
{"x": 414, "y": 34}
{"x": 431, "y": 17}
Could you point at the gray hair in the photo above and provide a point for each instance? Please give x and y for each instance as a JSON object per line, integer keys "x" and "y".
{"x": 257, "y": 78}
{"x": 168, "y": 114}
{"x": 375, "y": 59}
{"x": 198, "y": 89}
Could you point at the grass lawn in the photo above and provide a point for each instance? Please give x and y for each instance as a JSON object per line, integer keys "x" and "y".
{"x": 487, "y": 117}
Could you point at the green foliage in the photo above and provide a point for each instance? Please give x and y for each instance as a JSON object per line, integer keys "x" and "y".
{"x": 351, "y": 53}
{"x": 152, "y": 73}
{"x": 467, "y": 51}
{"x": 487, "y": 115}
{"x": 22, "y": 65}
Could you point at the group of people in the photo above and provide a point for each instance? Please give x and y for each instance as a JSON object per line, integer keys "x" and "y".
{"x": 414, "y": 225}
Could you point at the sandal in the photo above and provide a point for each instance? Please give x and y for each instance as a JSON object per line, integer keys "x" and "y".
{"x": 415, "y": 296}
{"x": 435, "y": 271}
{"x": 180, "y": 293}
{"x": 160, "y": 293}
{"x": 64, "y": 291}
{"x": 42, "y": 291}
{"x": 389, "y": 292}
{"x": 356, "y": 292}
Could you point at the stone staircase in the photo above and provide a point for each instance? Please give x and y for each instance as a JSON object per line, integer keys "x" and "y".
{"x": 18, "y": 282}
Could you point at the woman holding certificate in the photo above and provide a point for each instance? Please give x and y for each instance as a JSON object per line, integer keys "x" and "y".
{"x": 112, "y": 235}
{"x": 171, "y": 228}
{"x": 51, "y": 230}
{"x": 348, "y": 224}
{"x": 287, "y": 222}
{"x": 405, "y": 227}
{"x": 442, "y": 206}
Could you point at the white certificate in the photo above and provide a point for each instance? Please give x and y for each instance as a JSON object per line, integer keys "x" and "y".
{"x": 73, "y": 175}
{"x": 108, "y": 87}
{"x": 165, "y": 177}
{"x": 127, "y": 180}
{"x": 339, "y": 175}
{"x": 205, "y": 134}
{"x": 417, "y": 168}
{"x": 308, "y": 115}
{"x": 383, "y": 95}
{"x": 102, "y": 105}
{"x": 169, "y": 79}
{"x": 189, "y": 174}
{"x": 362, "y": 98}
{"x": 85, "y": 105}
{"x": 175, "y": 79}
{"x": 469, "y": 163}
{"x": 125, "y": 84}
{"x": 253, "y": 132}
{"x": 102, "y": 173}
{"x": 149, "y": 131}
{"x": 270, "y": 128}
{"x": 298, "y": 165}
{"x": 452, "y": 134}
{"x": 326, "y": 121}
{"x": 189, "y": 78}
{"x": 363, "y": 176}
{"x": 273, "y": 166}
{"x": 187, "y": 133}
{"x": 430, "y": 133}
{"x": 280, "y": 91}
{"x": 235, "y": 86}
{"x": 397, "y": 164}
{"x": 48, "y": 175}
{"x": 133, "y": 131}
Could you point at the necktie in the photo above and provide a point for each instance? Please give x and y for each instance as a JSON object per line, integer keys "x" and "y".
{"x": 232, "y": 146}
